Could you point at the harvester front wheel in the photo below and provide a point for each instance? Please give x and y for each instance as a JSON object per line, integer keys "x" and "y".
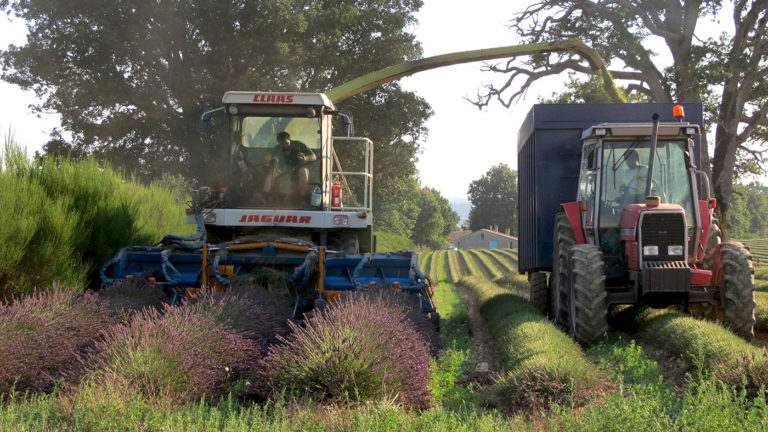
{"x": 737, "y": 287}
{"x": 588, "y": 318}
{"x": 560, "y": 289}
{"x": 539, "y": 294}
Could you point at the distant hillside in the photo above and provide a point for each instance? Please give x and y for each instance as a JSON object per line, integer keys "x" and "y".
{"x": 462, "y": 206}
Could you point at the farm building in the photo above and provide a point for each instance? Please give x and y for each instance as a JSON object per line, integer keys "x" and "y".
{"x": 486, "y": 239}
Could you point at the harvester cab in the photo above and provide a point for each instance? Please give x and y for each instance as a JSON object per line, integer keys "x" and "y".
{"x": 295, "y": 211}
{"x": 284, "y": 176}
{"x": 634, "y": 225}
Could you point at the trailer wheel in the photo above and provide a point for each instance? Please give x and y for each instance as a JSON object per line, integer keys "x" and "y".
{"x": 559, "y": 281}
{"x": 539, "y": 291}
{"x": 588, "y": 319}
{"x": 713, "y": 239}
{"x": 738, "y": 289}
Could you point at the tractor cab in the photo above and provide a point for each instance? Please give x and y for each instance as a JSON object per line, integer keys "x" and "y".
{"x": 623, "y": 178}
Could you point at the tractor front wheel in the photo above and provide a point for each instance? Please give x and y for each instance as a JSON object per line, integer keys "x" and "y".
{"x": 737, "y": 288}
{"x": 588, "y": 318}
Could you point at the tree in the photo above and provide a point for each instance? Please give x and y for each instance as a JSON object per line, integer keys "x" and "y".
{"x": 436, "y": 220}
{"x": 494, "y": 200}
{"x": 131, "y": 78}
{"x": 728, "y": 74}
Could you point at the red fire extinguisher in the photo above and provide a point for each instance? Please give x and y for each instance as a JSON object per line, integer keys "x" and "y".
{"x": 336, "y": 195}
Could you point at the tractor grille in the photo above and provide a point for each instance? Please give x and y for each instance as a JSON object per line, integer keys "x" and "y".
{"x": 662, "y": 230}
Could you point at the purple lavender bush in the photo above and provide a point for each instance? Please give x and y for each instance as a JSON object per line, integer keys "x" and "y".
{"x": 180, "y": 354}
{"x": 260, "y": 314}
{"x": 43, "y": 335}
{"x": 361, "y": 348}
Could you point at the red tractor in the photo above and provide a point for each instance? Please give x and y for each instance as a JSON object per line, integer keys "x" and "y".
{"x": 635, "y": 227}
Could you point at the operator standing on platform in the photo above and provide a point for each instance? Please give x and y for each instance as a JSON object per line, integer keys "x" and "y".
{"x": 289, "y": 161}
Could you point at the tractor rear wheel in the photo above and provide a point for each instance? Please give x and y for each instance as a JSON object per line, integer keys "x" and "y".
{"x": 539, "y": 290}
{"x": 738, "y": 289}
{"x": 559, "y": 284}
{"x": 588, "y": 319}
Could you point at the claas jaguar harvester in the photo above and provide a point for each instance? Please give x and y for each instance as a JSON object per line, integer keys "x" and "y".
{"x": 288, "y": 211}
{"x": 613, "y": 210}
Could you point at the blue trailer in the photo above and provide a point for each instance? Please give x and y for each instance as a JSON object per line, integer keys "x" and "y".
{"x": 614, "y": 210}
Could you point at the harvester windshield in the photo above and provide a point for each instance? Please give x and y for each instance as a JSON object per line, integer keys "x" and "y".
{"x": 275, "y": 162}
{"x": 624, "y": 177}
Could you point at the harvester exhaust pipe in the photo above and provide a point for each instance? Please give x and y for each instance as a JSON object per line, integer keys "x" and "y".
{"x": 654, "y": 142}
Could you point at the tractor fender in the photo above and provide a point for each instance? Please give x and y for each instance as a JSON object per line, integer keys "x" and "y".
{"x": 573, "y": 213}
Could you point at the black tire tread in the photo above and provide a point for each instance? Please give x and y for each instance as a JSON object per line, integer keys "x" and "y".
{"x": 589, "y": 311}
{"x": 539, "y": 291}
{"x": 738, "y": 290}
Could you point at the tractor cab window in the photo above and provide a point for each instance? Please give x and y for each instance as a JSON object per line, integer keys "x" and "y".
{"x": 624, "y": 178}
{"x": 275, "y": 162}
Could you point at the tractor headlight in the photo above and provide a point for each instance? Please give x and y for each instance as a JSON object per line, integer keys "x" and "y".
{"x": 341, "y": 220}
{"x": 675, "y": 250}
{"x": 650, "y": 250}
{"x": 209, "y": 218}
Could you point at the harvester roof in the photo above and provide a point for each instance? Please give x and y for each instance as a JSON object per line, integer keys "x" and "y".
{"x": 278, "y": 98}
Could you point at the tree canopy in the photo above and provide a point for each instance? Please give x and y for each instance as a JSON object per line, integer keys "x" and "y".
{"x": 494, "y": 200}
{"x": 130, "y": 79}
{"x": 436, "y": 220}
{"x": 727, "y": 72}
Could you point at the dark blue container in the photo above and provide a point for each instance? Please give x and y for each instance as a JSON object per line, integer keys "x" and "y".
{"x": 549, "y": 154}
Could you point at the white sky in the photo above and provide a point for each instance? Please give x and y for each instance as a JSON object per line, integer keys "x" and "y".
{"x": 463, "y": 142}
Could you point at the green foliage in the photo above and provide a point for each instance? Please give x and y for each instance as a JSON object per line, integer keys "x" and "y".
{"x": 749, "y": 211}
{"x": 494, "y": 200}
{"x": 133, "y": 96}
{"x": 66, "y": 218}
{"x": 436, "y": 220}
{"x": 627, "y": 363}
{"x": 591, "y": 90}
{"x": 391, "y": 242}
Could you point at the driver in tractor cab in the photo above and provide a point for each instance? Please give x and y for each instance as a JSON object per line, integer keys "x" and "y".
{"x": 634, "y": 178}
{"x": 288, "y": 163}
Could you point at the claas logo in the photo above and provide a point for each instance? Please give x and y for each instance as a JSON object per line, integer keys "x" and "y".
{"x": 272, "y": 98}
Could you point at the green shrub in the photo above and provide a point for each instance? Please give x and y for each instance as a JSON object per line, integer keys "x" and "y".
{"x": 390, "y": 242}
{"x": 543, "y": 364}
{"x": 64, "y": 219}
{"x": 697, "y": 341}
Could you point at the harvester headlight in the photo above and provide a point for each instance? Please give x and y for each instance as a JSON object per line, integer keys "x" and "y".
{"x": 209, "y": 218}
{"x": 690, "y": 131}
{"x": 601, "y": 132}
{"x": 675, "y": 250}
{"x": 650, "y": 250}
{"x": 340, "y": 220}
